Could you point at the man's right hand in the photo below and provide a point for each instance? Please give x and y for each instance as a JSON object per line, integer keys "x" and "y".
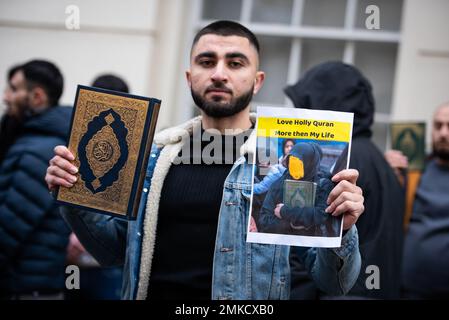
{"x": 61, "y": 171}
{"x": 396, "y": 159}
{"x": 399, "y": 162}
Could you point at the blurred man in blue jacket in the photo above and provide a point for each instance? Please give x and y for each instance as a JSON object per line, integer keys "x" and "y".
{"x": 33, "y": 236}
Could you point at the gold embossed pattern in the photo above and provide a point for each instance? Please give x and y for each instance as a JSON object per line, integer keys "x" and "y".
{"x": 103, "y": 149}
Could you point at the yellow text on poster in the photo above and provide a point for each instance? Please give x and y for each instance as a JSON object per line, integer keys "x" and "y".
{"x": 303, "y": 129}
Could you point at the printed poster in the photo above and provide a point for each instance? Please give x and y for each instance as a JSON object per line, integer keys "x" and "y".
{"x": 297, "y": 153}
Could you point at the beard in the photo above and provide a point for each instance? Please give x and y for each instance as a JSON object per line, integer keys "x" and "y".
{"x": 441, "y": 153}
{"x": 19, "y": 109}
{"x": 218, "y": 109}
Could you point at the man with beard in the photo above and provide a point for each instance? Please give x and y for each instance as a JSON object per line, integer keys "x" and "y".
{"x": 33, "y": 236}
{"x": 426, "y": 256}
{"x": 197, "y": 197}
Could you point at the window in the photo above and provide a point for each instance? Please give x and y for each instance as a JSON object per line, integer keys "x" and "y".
{"x": 298, "y": 34}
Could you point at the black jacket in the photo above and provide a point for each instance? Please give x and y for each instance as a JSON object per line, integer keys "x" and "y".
{"x": 340, "y": 87}
{"x": 307, "y": 220}
{"x": 33, "y": 236}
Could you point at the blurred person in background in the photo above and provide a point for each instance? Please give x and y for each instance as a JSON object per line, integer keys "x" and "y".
{"x": 341, "y": 87}
{"x": 111, "y": 82}
{"x": 96, "y": 282}
{"x": 425, "y": 269}
{"x": 33, "y": 235}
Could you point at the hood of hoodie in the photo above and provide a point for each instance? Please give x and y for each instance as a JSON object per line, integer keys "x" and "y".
{"x": 310, "y": 154}
{"x": 339, "y": 87}
{"x": 54, "y": 121}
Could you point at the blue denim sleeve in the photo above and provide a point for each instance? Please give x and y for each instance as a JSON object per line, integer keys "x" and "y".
{"x": 335, "y": 270}
{"x": 103, "y": 236}
{"x": 267, "y": 181}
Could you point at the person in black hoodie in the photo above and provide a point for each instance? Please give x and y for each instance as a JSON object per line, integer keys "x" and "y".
{"x": 341, "y": 87}
{"x": 302, "y": 163}
{"x": 33, "y": 236}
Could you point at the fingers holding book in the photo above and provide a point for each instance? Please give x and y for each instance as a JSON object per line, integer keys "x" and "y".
{"x": 61, "y": 171}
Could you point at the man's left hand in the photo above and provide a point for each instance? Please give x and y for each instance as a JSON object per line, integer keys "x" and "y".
{"x": 346, "y": 198}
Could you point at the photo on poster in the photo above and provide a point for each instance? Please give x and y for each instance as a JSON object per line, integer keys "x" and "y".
{"x": 297, "y": 153}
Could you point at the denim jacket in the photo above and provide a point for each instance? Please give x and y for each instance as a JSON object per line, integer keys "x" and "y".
{"x": 241, "y": 270}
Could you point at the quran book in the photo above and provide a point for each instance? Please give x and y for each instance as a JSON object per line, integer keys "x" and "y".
{"x": 299, "y": 193}
{"x": 111, "y": 135}
{"x": 410, "y": 139}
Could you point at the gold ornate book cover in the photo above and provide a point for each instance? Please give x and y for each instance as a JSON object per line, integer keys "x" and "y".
{"x": 111, "y": 136}
{"x": 409, "y": 137}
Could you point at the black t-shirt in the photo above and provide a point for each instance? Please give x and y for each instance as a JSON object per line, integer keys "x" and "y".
{"x": 187, "y": 220}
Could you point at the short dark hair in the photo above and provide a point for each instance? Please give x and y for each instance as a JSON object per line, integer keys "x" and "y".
{"x": 228, "y": 28}
{"x": 111, "y": 82}
{"x": 44, "y": 74}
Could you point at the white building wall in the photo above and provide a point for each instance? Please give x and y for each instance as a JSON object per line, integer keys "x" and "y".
{"x": 422, "y": 78}
{"x": 170, "y": 61}
{"x": 114, "y": 36}
{"x": 142, "y": 41}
